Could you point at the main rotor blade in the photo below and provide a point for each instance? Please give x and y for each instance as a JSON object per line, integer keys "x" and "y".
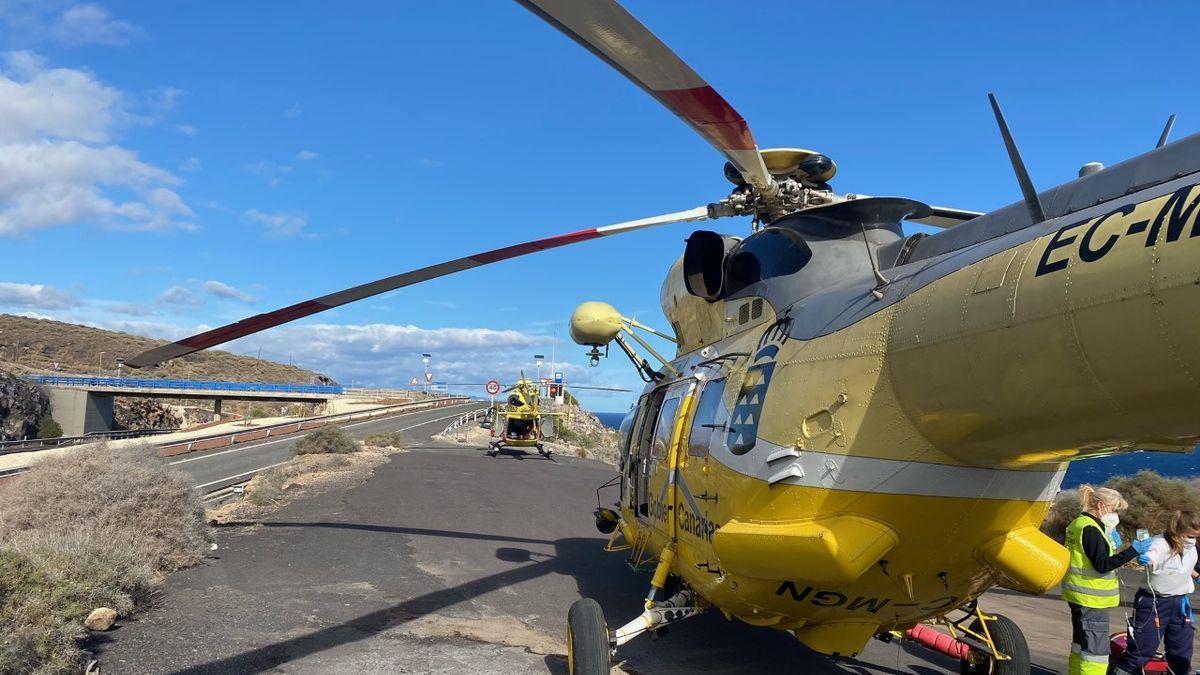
{"x": 300, "y": 310}
{"x": 606, "y": 29}
{"x": 944, "y": 216}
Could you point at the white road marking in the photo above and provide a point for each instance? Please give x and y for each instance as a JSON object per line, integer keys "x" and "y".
{"x": 292, "y": 438}
{"x": 244, "y": 473}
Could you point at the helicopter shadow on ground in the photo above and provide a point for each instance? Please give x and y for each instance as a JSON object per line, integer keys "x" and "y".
{"x": 708, "y": 643}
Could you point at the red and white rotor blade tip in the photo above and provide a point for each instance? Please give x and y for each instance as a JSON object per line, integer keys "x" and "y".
{"x": 261, "y": 322}
{"x": 606, "y": 29}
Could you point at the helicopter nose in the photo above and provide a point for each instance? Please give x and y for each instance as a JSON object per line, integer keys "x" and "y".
{"x": 1083, "y": 341}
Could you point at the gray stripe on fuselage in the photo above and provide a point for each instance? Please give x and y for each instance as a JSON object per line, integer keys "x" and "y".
{"x": 833, "y": 471}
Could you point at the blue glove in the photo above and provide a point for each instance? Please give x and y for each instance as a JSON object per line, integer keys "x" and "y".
{"x": 1142, "y": 546}
{"x": 1116, "y": 539}
{"x": 1143, "y": 559}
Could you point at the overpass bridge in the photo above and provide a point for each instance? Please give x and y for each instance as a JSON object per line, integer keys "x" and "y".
{"x": 84, "y": 405}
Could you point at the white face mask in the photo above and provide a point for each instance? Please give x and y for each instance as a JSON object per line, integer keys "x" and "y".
{"x": 1110, "y": 520}
{"x": 1188, "y": 542}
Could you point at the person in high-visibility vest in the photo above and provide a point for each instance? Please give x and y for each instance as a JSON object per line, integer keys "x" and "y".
{"x": 1090, "y": 586}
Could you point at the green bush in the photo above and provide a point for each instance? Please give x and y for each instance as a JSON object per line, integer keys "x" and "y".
{"x": 1152, "y": 499}
{"x": 327, "y": 439}
{"x": 390, "y": 439}
{"x": 48, "y": 427}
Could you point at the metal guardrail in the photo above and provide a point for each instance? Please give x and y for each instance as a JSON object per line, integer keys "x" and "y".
{"x": 33, "y": 444}
{"x": 467, "y": 418}
{"x": 227, "y": 438}
{"x": 182, "y": 385}
{"x": 233, "y": 438}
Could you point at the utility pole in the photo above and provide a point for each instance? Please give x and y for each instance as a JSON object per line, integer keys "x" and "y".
{"x": 100, "y": 365}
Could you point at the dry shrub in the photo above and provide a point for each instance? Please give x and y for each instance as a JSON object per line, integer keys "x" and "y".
{"x": 390, "y": 439}
{"x": 129, "y": 491}
{"x": 1152, "y": 499}
{"x": 328, "y": 439}
{"x": 48, "y": 585}
{"x": 87, "y": 529}
{"x": 267, "y": 487}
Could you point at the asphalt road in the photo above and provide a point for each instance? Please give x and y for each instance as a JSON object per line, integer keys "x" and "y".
{"x": 445, "y": 561}
{"x": 213, "y": 469}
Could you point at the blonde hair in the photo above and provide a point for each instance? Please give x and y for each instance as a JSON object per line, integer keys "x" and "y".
{"x": 1090, "y": 498}
{"x": 1181, "y": 521}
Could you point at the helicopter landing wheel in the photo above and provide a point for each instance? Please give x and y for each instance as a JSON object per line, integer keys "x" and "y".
{"x": 1008, "y": 639}
{"x": 588, "y": 651}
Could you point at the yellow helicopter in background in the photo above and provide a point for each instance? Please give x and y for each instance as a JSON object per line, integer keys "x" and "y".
{"x": 860, "y": 429}
{"x": 521, "y": 422}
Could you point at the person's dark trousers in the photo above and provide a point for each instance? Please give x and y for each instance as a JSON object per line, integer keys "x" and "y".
{"x": 1174, "y": 629}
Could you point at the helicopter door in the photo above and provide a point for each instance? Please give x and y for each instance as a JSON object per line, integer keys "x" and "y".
{"x": 701, "y": 509}
{"x": 661, "y": 454}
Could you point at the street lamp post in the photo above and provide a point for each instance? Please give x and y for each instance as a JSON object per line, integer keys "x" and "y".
{"x": 425, "y": 360}
{"x": 538, "y": 358}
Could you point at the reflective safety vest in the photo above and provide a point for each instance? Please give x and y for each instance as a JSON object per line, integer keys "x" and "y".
{"x": 1083, "y": 585}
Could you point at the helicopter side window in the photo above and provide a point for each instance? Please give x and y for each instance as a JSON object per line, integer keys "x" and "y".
{"x": 709, "y": 417}
{"x": 772, "y": 252}
{"x": 666, "y": 423}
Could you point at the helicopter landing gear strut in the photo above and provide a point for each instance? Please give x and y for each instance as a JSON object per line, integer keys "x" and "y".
{"x": 586, "y": 629}
{"x": 494, "y": 448}
{"x": 543, "y": 451}
{"x": 984, "y": 644}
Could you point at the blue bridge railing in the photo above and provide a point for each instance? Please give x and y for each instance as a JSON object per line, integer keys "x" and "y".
{"x": 183, "y": 385}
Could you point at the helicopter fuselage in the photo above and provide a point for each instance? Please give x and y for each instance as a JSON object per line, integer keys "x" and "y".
{"x": 838, "y": 464}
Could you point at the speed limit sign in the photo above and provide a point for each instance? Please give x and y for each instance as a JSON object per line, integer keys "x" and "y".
{"x": 493, "y": 387}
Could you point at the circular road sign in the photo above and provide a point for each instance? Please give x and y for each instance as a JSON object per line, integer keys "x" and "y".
{"x": 493, "y": 387}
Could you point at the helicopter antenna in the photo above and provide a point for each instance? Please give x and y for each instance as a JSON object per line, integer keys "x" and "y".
{"x": 1166, "y": 134}
{"x": 1031, "y": 198}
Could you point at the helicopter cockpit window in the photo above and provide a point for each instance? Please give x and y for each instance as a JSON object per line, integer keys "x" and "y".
{"x": 773, "y": 252}
{"x": 709, "y": 417}
{"x": 666, "y": 424}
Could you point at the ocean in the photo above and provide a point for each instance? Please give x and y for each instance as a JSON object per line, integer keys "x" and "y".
{"x": 1084, "y": 471}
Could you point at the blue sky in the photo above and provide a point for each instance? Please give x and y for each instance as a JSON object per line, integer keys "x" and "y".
{"x": 171, "y": 166}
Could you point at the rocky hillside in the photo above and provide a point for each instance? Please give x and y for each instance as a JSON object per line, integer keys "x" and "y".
{"x": 41, "y": 345}
{"x": 21, "y": 407}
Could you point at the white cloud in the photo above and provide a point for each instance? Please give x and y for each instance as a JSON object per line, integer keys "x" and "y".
{"x": 90, "y": 24}
{"x": 58, "y": 165}
{"x": 186, "y": 129}
{"x": 282, "y": 224}
{"x": 35, "y": 296}
{"x": 273, "y": 172}
{"x": 306, "y": 155}
{"x": 65, "y": 23}
{"x": 227, "y": 292}
{"x": 190, "y": 164}
{"x": 178, "y": 295}
{"x": 293, "y": 112}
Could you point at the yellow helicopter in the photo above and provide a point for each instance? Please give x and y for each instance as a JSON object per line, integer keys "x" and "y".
{"x": 521, "y": 420}
{"x": 860, "y": 431}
